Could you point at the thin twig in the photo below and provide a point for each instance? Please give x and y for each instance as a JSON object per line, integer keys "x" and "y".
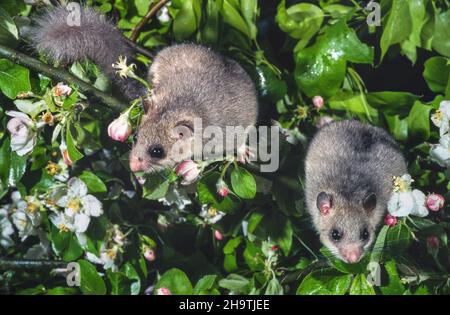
{"x": 60, "y": 74}
{"x": 152, "y": 10}
{"x": 139, "y": 49}
{"x": 27, "y": 264}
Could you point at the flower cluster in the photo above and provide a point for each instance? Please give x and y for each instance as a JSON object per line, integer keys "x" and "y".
{"x": 78, "y": 205}
{"x": 404, "y": 200}
{"x": 440, "y": 152}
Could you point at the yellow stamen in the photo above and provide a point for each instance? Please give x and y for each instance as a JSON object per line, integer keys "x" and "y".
{"x": 63, "y": 228}
{"x": 52, "y": 168}
{"x": 212, "y": 212}
{"x": 74, "y": 205}
{"x": 31, "y": 207}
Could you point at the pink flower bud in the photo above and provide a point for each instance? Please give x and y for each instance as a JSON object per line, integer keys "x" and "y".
{"x": 65, "y": 154}
{"x": 222, "y": 188}
{"x": 218, "y": 235}
{"x": 432, "y": 242}
{"x": 120, "y": 129}
{"x": 149, "y": 254}
{"x": 390, "y": 220}
{"x": 163, "y": 291}
{"x": 275, "y": 248}
{"x": 435, "y": 202}
{"x": 323, "y": 121}
{"x": 318, "y": 101}
{"x": 189, "y": 171}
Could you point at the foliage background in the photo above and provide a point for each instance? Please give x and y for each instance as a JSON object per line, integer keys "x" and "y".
{"x": 393, "y": 76}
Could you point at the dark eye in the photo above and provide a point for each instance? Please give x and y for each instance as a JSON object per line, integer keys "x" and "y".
{"x": 336, "y": 235}
{"x": 364, "y": 235}
{"x": 156, "y": 152}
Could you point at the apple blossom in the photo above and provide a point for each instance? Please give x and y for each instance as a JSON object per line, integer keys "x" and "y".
{"x": 405, "y": 201}
{"x": 211, "y": 215}
{"x": 218, "y": 235}
{"x": 149, "y": 254}
{"x": 390, "y": 220}
{"x": 6, "y": 228}
{"x": 163, "y": 291}
{"x": 318, "y": 101}
{"x": 435, "y": 202}
{"x": 79, "y": 205}
{"x": 23, "y": 135}
{"x": 222, "y": 188}
{"x": 440, "y": 153}
{"x": 62, "y": 89}
{"x": 120, "y": 129}
{"x": 189, "y": 171}
{"x": 441, "y": 118}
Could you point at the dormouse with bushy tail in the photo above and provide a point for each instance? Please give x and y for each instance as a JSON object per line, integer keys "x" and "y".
{"x": 187, "y": 81}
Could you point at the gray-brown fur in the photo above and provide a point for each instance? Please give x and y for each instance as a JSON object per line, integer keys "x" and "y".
{"x": 188, "y": 81}
{"x": 349, "y": 160}
{"x": 95, "y": 38}
{"x": 191, "y": 81}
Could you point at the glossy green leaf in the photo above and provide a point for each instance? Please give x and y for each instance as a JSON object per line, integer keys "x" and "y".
{"x": 325, "y": 282}
{"x": 243, "y": 183}
{"x": 90, "y": 280}
{"x": 93, "y": 182}
{"x": 176, "y": 281}
{"x": 437, "y": 74}
{"x": 13, "y": 79}
{"x": 360, "y": 286}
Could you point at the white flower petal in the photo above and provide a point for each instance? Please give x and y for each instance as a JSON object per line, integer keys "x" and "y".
{"x": 419, "y": 208}
{"x": 23, "y": 117}
{"x": 400, "y": 204}
{"x": 81, "y": 222}
{"x": 77, "y": 187}
{"x": 92, "y": 206}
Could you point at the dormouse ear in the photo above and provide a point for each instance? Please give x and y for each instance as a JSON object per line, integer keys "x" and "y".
{"x": 370, "y": 202}
{"x": 184, "y": 129}
{"x": 324, "y": 203}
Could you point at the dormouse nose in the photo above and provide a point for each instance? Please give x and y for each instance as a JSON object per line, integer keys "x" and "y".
{"x": 351, "y": 254}
{"x": 137, "y": 164}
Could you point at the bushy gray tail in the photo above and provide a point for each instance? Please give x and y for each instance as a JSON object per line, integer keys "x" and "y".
{"x": 58, "y": 34}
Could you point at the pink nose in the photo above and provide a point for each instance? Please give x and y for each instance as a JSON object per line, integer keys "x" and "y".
{"x": 351, "y": 255}
{"x": 136, "y": 164}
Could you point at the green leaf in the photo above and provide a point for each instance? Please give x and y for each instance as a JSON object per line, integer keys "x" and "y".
{"x": 156, "y": 186}
{"x": 176, "y": 281}
{"x": 354, "y": 103}
{"x": 186, "y": 20}
{"x": 441, "y": 39}
{"x": 419, "y": 17}
{"x": 74, "y": 154}
{"x": 325, "y": 282}
{"x": 29, "y": 107}
{"x": 398, "y": 26}
{"x": 93, "y": 182}
{"x": 90, "y": 281}
{"x": 269, "y": 85}
{"x": 379, "y": 244}
{"x": 132, "y": 275}
{"x": 9, "y": 34}
{"x": 13, "y": 78}
{"x": 243, "y": 183}
{"x": 73, "y": 250}
{"x": 249, "y": 9}
{"x": 205, "y": 284}
{"x": 398, "y": 238}
{"x": 207, "y": 194}
{"x": 232, "y": 17}
{"x": 419, "y": 121}
{"x": 236, "y": 284}
{"x": 393, "y": 285}
{"x": 274, "y": 287}
{"x": 392, "y": 103}
{"x": 360, "y": 286}
{"x": 344, "y": 267}
{"x": 17, "y": 168}
{"x": 210, "y": 31}
{"x": 301, "y": 21}
{"x": 437, "y": 74}
{"x": 320, "y": 69}
{"x": 254, "y": 257}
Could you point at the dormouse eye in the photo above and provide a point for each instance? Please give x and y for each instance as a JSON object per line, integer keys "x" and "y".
{"x": 336, "y": 235}
{"x": 364, "y": 235}
{"x": 156, "y": 151}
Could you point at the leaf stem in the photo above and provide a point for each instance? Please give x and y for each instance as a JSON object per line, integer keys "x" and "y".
{"x": 59, "y": 74}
